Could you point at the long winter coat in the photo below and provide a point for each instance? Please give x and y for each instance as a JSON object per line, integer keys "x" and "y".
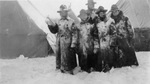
{"x": 105, "y": 57}
{"x": 66, "y": 37}
{"x": 124, "y": 51}
{"x": 86, "y": 46}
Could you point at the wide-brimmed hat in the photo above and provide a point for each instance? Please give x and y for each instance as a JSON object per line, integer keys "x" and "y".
{"x": 83, "y": 13}
{"x": 90, "y": 2}
{"x": 101, "y": 9}
{"x": 62, "y": 8}
{"x": 114, "y": 7}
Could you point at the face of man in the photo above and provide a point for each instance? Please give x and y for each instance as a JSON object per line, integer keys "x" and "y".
{"x": 115, "y": 12}
{"x": 63, "y": 14}
{"x": 84, "y": 18}
{"x": 101, "y": 14}
{"x": 91, "y": 6}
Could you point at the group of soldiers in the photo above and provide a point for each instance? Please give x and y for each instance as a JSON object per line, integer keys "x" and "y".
{"x": 101, "y": 41}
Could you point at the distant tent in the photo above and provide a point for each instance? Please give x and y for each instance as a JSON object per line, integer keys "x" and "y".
{"x": 19, "y": 35}
{"x": 23, "y": 29}
{"x": 138, "y": 12}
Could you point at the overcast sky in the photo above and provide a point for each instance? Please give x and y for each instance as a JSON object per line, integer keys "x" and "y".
{"x": 50, "y": 7}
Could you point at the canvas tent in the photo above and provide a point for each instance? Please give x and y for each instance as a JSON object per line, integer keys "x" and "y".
{"x": 23, "y": 29}
{"x": 19, "y": 35}
{"x": 138, "y": 12}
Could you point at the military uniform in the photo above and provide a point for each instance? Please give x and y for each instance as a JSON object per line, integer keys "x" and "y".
{"x": 124, "y": 34}
{"x": 66, "y": 38}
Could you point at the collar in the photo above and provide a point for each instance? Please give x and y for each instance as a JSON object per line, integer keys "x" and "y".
{"x": 90, "y": 11}
{"x": 64, "y": 19}
{"x": 86, "y": 21}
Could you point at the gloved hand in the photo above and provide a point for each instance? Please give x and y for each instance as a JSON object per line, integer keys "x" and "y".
{"x": 96, "y": 50}
{"x": 73, "y": 47}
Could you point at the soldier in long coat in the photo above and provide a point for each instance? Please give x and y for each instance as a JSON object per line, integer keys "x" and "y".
{"x": 66, "y": 41}
{"x": 104, "y": 26}
{"x": 91, "y": 12}
{"x": 125, "y": 54}
{"x": 86, "y": 46}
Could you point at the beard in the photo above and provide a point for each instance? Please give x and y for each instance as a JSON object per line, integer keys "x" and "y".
{"x": 102, "y": 18}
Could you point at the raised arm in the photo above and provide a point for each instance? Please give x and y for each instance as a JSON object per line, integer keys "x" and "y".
{"x": 52, "y": 26}
{"x": 53, "y": 29}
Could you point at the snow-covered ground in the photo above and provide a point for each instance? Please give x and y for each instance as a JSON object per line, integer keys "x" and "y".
{"x": 42, "y": 71}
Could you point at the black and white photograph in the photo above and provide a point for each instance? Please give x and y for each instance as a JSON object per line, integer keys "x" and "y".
{"x": 74, "y": 41}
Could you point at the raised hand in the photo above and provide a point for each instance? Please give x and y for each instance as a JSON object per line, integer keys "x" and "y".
{"x": 49, "y": 21}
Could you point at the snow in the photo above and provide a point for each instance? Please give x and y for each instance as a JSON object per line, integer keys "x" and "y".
{"x": 24, "y": 70}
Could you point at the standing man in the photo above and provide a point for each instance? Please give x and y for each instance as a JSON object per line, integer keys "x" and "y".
{"x": 104, "y": 26}
{"x": 91, "y": 10}
{"x": 92, "y": 20}
{"x": 124, "y": 34}
{"x": 65, "y": 41}
{"x": 86, "y": 46}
